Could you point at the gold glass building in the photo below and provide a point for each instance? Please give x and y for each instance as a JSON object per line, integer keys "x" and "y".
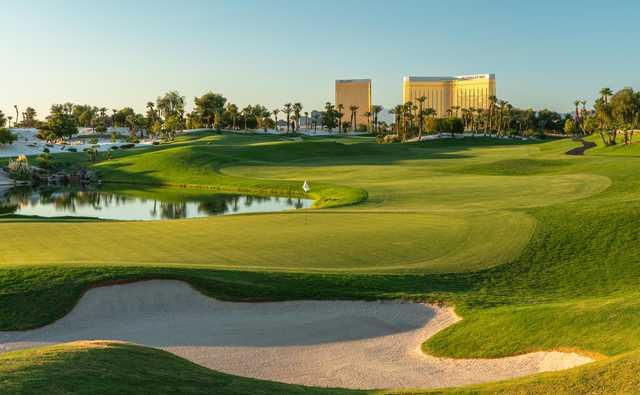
{"x": 443, "y": 93}
{"x": 354, "y": 93}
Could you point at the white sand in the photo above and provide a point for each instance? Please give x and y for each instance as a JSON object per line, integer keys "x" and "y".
{"x": 28, "y": 144}
{"x": 322, "y": 343}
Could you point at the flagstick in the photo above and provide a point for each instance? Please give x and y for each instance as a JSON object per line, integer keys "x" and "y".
{"x": 306, "y": 188}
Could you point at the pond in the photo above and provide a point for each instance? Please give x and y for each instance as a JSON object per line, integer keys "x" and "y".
{"x": 128, "y": 203}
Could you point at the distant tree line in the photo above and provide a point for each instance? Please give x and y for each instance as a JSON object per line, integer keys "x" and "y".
{"x": 613, "y": 115}
{"x": 499, "y": 118}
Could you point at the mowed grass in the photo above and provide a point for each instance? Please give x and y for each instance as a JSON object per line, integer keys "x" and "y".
{"x": 538, "y": 250}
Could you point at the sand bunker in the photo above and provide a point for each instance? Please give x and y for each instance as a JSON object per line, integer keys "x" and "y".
{"x": 321, "y": 343}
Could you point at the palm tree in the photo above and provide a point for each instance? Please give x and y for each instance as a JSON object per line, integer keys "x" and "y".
{"x": 275, "y": 113}
{"x": 397, "y": 111}
{"x": 354, "y": 110}
{"x": 17, "y": 113}
{"x": 29, "y": 116}
{"x": 306, "y": 119}
{"x": 245, "y": 114}
{"x": 368, "y": 115}
{"x": 577, "y": 104}
{"x": 492, "y": 105}
{"x": 340, "y": 109}
{"x": 376, "y": 109}
{"x": 502, "y": 104}
{"x": 287, "y": 110}
{"x": 9, "y": 118}
{"x": 297, "y": 109}
{"x": 232, "y": 110}
{"x": 605, "y": 93}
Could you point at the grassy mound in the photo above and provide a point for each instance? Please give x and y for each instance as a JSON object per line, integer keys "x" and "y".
{"x": 102, "y": 367}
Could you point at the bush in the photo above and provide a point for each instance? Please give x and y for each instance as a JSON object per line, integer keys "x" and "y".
{"x": 72, "y": 149}
{"x": 6, "y": 137}
{"x": 101, "y": 129}
{"x": 44, "y": 161}
{"x": 125, "y": 146}
{"x": 391, "y": 138}
{"x": 46, "y": 150}
{"x": 19, "y": 168}
{"x": 156, "y": 143}
{"x": 93, "y": 141}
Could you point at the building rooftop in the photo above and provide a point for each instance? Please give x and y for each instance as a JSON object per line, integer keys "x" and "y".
{"x": 353, "y": 80}
{"x": 459, "y": 77}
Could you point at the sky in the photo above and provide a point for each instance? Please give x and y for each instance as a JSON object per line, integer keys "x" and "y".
{"x": 545, "y": 54}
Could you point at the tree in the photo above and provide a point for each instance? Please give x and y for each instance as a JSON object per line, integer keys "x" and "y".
{"x": 275, "y": 113}
{"x": 232, "y": 112}
{"x": 340, "y": 114}
{"x": 246, "y": 113}
{"x": 137, "y": 122}
{"x": 397, "y": 112}
{"x": 605, "y": 93}
{"x": 455, "y": 125}
{"x": 368, "y": 114}
{"x": 170, "y": 104}
{"x": 17, "y": 113}
{"x": 29, "y": 117}
{"x": 570, "y": 127}
{"x": 3, "y": 119}
{"x": 354, "y": 111}
{"x": 6, "y": 137}
{"x": 60, "y": 124}
{"x": 152, "y": 114}
{"x": 297, "y": 109}
{"x": 171, "y": 125}
{"x": 376, "y": 109}
{"x": 120, "y": 117}
{"x": 329, "y": 116}
{"x": 287, "y": 111}
{"x": 208, "y": 105}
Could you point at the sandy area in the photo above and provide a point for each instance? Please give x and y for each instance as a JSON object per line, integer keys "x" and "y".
{"x": 29, "y": 144}
{"x": 350, "y": 344}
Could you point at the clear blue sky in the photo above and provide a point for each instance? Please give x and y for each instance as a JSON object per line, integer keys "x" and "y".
{"x": 121, "y": 53}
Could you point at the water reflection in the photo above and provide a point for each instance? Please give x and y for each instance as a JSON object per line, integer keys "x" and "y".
{"x": 92, "y": 202}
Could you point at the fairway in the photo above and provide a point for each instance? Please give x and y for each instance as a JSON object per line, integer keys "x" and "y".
{"x": 535, "y": 249}
{"x": 425, "y": 213}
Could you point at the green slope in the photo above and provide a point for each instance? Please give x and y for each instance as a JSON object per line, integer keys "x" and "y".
{"x": 538, "y": 250}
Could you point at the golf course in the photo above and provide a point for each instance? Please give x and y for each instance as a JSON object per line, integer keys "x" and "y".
{"x": 530, "y": 249}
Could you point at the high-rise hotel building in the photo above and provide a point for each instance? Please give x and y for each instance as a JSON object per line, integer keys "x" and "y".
{"x": 443, "y": 93}
{"x": 354, "y": 93}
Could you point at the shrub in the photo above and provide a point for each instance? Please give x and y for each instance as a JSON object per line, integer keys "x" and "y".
{"x": 19, "y": 168}
{"x": 46, "y": 150}
{"x": 6, "y": 137}
{"x": 125, "y": 146}
{"x": 391, "y": 138}
{"x": 72, "y": 149}
{"x": 93, "y": 141}
{"x": 156, "y": 143}
{"x": 44, "y": 161}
